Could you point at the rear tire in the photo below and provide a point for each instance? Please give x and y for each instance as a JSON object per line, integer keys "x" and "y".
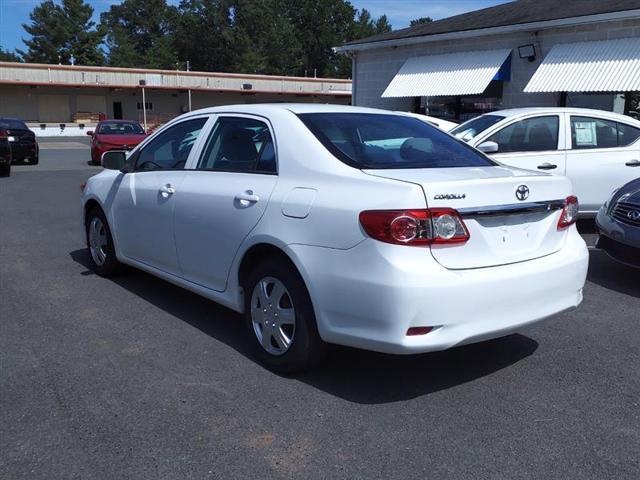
{"x": 100, "y": 244}
{"x": 5, "y": 171}
{"x": 280, "y": 319}
{"x": 34, "y": 161}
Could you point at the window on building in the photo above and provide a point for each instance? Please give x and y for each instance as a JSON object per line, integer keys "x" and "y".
{"x": 148, "y": 105}
{"x": 588, "y": 132}
{"x": 529, "y": 135}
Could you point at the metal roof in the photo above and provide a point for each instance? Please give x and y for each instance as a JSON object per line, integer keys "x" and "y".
{"x": 12, "y": 73}
{"x": 464, "y": 73}
{"x": 511, "y": 13}
{"x": 603, "y": 66}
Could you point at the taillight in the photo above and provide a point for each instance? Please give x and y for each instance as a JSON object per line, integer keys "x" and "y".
{"x": 4, "y": 134}
{"x": 415, "y": 227}
{"x": 569, "y": 213}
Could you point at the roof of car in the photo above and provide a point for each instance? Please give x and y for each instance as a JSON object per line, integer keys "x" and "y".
{"x": 112, "y": 120}
{"x": 262, "y": 108}
{"x": 514, "y": 112}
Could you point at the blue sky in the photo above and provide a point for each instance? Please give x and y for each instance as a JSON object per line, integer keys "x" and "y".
{"x": 13, "y": 13}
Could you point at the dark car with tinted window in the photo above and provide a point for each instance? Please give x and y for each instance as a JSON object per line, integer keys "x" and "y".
{"x": 24, "y": 147}
{"x": 618, "y": 224}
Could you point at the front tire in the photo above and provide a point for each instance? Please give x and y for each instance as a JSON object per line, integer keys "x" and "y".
{"x": 100, "y": 244}
{"x": 280, "y": 318}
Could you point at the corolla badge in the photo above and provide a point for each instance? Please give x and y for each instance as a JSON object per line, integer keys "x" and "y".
{"x": 522, "y": 192}
{"x": 450, "y": 196}
{"x": 634, "y": 215}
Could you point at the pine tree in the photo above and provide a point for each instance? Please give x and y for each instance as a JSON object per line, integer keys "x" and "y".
{"x": 139, "y": 34}
{"x": 59, "y": 32}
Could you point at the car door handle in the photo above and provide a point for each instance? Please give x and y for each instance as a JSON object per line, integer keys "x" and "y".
{"x": 547, "y": 166}
{"x": 247, "y": 198}
{"x": 633, "y": 163}
{"x": 167, "y": 190}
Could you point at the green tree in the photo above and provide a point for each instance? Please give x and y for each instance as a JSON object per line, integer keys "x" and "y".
{"x": 420, "y": 21}
{"x": 59, "y": 32}
{"x": 139, "y": 33}
{"x": 203, "y": 34}
{"x": 264, "y": 38}
{"x": 8, "y": 56}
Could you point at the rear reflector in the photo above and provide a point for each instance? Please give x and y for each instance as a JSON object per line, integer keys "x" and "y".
{"x": 413, "y": 331}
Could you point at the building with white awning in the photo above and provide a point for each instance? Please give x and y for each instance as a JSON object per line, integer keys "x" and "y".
{"x": 523, "y": 53}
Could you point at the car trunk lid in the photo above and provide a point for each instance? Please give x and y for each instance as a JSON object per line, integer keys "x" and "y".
{"x": 511, "y": 214}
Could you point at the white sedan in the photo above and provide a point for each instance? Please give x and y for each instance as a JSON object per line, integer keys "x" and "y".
{"x": 599, "y": 151}
{"x": 332, "y": 224}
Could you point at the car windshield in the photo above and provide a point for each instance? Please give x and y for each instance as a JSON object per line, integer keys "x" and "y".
{"x": 469, "y": 129}
{"x": 9, "y": 124}
{"x": 120, "y": 128}
{"x": 378, "y": 141}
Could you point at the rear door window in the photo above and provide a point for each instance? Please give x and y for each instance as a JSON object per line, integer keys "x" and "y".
{"x": 589, "y": 132}
{"x": 239, "y": 144}
{"x": 535, "y": 134}
{"x": 378, "y": 141}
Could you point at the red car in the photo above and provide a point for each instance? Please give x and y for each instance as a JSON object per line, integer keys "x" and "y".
{"x": 114, "y": 135}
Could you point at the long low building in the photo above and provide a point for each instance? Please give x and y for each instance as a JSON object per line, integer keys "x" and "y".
{"x": 68, "y": 94}
{"x": 583, "y": 53}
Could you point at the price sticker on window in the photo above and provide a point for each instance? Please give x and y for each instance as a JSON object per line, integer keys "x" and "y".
{"x": 586, "y": 134}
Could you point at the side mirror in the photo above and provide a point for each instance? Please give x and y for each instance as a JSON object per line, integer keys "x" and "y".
{"x": 488, "y": 147}
{"x": 114, "y": 160}
{"x": 90, "y": 133}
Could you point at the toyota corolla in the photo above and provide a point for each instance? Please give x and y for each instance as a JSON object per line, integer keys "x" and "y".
{"x": 332, "y": 224}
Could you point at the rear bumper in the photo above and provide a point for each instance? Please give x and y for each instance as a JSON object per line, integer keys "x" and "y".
{"x": 368, "y": 297}
{"x": 20, "y": 151}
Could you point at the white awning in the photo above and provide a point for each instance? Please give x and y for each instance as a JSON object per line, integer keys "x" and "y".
{"x": 465, "y": 73}
{"x": 605, "y": 66}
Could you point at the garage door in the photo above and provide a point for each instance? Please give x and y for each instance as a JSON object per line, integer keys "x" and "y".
{"x": 91, "y": 104}
{"x": 53, "y": 108}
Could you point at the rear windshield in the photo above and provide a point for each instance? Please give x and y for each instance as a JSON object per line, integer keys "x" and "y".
{"x": 10, "y": 124}
{"x": 468, "y": 130}
{"x": 120, "y": 128}
{"x": 374, "y": 141}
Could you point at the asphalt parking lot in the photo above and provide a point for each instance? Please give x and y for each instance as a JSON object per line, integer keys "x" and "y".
{"x": 135, "y": 378}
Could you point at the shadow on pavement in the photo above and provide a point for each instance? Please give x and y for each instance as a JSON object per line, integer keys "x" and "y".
{"x": 354, "y": 375}
{"x": 608, "y": 273}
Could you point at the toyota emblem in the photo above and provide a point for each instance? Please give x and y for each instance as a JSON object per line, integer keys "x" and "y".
{"x": 634, "y": 215}
{"x": 522, "y": 192}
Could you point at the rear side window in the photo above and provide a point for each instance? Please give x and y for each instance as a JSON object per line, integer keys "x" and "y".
{"x": 587, "y": 132}
{"x": 11, "y": 124}
{"x": 529, "y": 135}
{"x": 239, "y": 144}
{"x": 377, "y": 141}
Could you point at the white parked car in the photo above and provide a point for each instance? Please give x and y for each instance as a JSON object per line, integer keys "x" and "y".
{"x": 442, "y": 124}
{"x": 599, "y": 151}
{"x": 332, "y": 224}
